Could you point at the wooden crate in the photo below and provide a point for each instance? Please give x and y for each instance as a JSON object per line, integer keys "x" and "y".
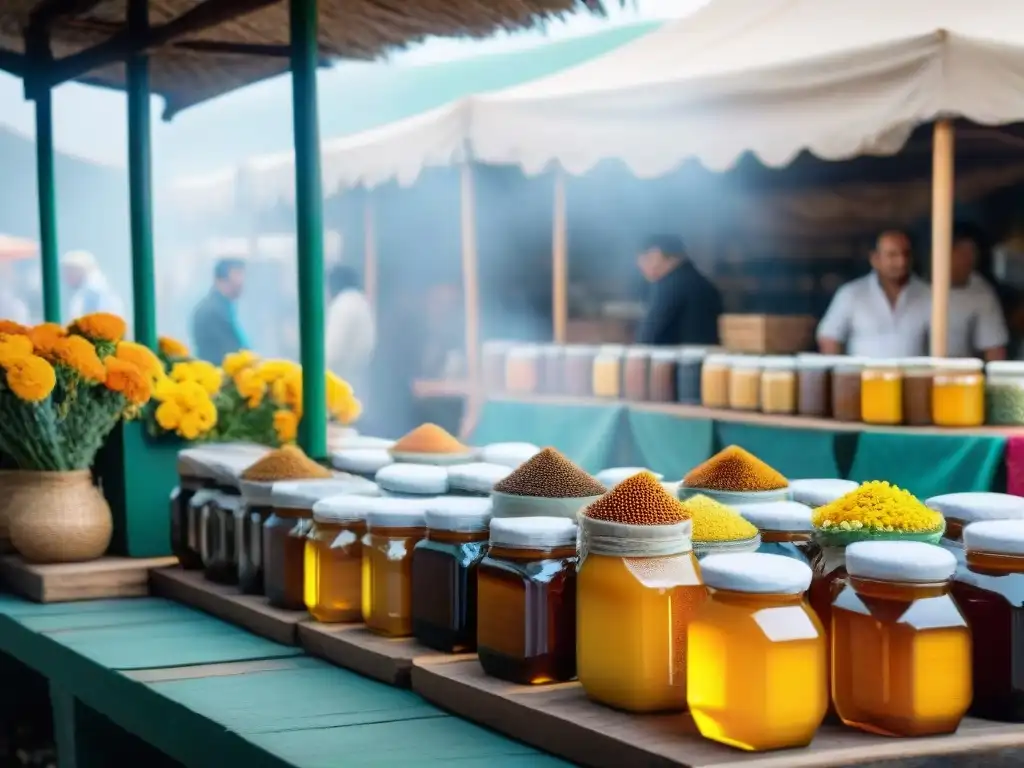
{"x": 766, "y": 334}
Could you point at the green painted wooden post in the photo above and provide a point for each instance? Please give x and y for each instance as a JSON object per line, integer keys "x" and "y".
{"x": 140, "y": 192}
{"x": 47, "y": 192}
{"x": 309, "y": 225}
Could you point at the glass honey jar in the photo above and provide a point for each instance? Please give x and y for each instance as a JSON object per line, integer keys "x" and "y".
{"x": 714, "y": 381}
{"x": 778, "y": 385}
{"x": 847, "y": 388}
{"x": 901, "y": 648}
{"x": 636, "y": 373}
{"x": 444, "y": 568}
{"x": 918, "y": 382}
{"x": 786, "y": 528}
{"x": 194, "y": 474}
{"x": 757, "y": 670}
{"x": 958, "y": 393}
{"x": 881, "y": 392}
{"x": 526, "y": 601}
{"x": 745, "y": 383}
{"x": 989, "y": 588}
{"x": 608, "y": 368}
{"x": 256, "y": 507}
{"x": 217, "y": 523}
{"x": 963, "y": 509}
{"x": 493, "y": 357}
{"x": 393, "y": 529}
{"x": 333, "y": 571}
{"x": 522, "y": 369}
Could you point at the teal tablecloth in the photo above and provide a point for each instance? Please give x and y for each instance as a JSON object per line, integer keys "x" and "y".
{"x": 589, "y": 435}
{"x": 796, "y": 453}
{"x": 669, "y": 444}
{"x": 928, "y": 465}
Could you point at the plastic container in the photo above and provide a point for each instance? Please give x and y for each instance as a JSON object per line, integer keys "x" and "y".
{"x": 688, "y": 375}
{"x": 664, "y": 367}
{"x": 814, "y": 385}
{"x": 522, "y": 370}
{"x": 892, "y": 675}
{"x": 578, "y": 370}
{"x": 493, "y": 354}
{"x": 1004, "y": 393}
{"x": 881, "y": 397}
{"x": 989, "y": 589}
{"x": 918, "y": 377}
{"x": 754, "y": 683}
{"x": 815, "y": 492}
{"x": 608, "y": 368}
{"x": 958, "y": 393}
{"x": 334, "y": 559}
{"x": 444, "y": 568}
{"x": 786, "y": 529}
{"x": 194, "y": 474}
{"x": 526, "y": 601}
{"x": 778, "y": 385}
{"x": 637, "y": 589}
{"x": 714, "y": 381}
{"x": 551, "y": 366}
{"x": 393, "y": 529}
{"x": 745, "y": 383}
{"x": 846, "y": 388}
{"x": 636, "y": 373}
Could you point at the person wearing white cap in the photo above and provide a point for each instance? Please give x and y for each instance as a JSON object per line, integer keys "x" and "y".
{"x": 90, "y": 291}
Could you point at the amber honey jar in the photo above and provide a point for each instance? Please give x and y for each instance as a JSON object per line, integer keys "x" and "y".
{"x": 393, "y": 529}
{"x": 662, "y": 375}
{"x": 333, "y": 570}
{"x": 881, "y": 394}
{"x": 745, "y": 383}
{"x": 194, "y": 474}
{"x": 714, "y": 381}
{"x": 607, "y": 371}
{"x": 444, "y": 568}
{"x": 786, "y": 529}
{"x": 636, "y": 373}
{"x": 814, "y": 385}
{"x": 492, "y": 357}
{"x": 846, "y": 388}
{"x": 522, "y": 369}
{"x": 958, "y": 393}
{"x": 526, "y": 601}
{"x": 989, "y": 589}
{"x": 744, "y": 669}
{"x": 778, "y": 385}
{"x": 918, "y": 378}
{"x": 894, "y": 676}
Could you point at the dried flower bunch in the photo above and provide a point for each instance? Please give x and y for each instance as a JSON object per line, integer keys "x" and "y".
{"x": 63, "y": 390}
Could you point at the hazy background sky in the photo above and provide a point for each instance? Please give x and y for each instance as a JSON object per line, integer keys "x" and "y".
{"x": 91, "y": 122}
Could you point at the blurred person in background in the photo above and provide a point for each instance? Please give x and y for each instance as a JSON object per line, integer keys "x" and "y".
{"x": 216, "y": 331}
{"x": 89, "y": 289}
{"x": 351, "y": 329}
{"x": 12, "y": 306}
{"x": 683, "y": 306}
{"x": 980, "y": 307}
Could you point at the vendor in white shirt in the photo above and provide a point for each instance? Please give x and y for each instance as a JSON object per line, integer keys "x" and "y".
{"x": 888, "y": 313}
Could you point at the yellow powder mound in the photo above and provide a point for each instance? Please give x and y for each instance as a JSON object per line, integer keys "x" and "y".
{"x": 879, "y": 507}
{"x": 713, "y": 521}
{"x": 734, "y": 469}
{"x": 288, "y": 463}
{"x": 638, "y": 500}
{"x": 550, "y": 475}
{"x": 429, "y": 438}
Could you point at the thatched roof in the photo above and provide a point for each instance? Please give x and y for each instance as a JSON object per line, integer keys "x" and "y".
{"x": 233, "y": 43}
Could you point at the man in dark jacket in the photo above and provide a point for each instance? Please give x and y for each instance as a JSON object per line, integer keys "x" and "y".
{"x": 215, "y": 328}
{"x": 683, "y": 306}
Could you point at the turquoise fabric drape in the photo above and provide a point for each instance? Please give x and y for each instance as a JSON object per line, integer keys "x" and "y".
{"x": 796, "y": 453}
{"x": 669, "y": 444}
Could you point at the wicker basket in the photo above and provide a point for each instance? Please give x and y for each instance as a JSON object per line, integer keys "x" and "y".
{"x": 766, "y": 334}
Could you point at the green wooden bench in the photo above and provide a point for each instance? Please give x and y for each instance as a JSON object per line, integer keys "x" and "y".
{"x": 206, "y": 693}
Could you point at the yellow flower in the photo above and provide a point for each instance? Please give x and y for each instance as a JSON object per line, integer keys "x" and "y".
{"x": 141, "y": 357}
{"x": 78, "y": 354}
{"x": 13, "y": 347}
{"x": 272, "y": 370}
{"x": 208, "y": 376}
{"x": 172, "y": 347}
{"x": 164, "y": 389}
{"x": 878, "y": 506}
{"x": 189, "y": 394}
{"x": 287, "y": 390}
{"x": 286, "y": 425}
{"x": 168, "y": 415}
{"x": 349, "y": 411}
{"x": 250, "y": 386}
{"x": 235, "y": 362}
{"x": 100, "y": 326}
{"x": 126, "y": 378}
{"x": 31, "y": 378}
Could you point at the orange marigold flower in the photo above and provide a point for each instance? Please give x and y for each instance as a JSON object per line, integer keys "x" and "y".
{"x": 31, "y": 379}
{"x": 100, "y": 326}
{"x": 44, "y": 338}
{"x": 141, "y": 357}
{"x": 286, "y": 425}
{"x": 126, "y": 378}
{"x": 12, "y": 328}
{"x": 172, "y": 347}
{"x": 78, "y": 354}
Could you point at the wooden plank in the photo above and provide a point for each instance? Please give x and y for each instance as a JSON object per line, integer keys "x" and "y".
{"x": 249, "y": 611}
{"x": 355, "y": 647}
{"x": 63, "y": 582}
{"x": 562, "y": 720}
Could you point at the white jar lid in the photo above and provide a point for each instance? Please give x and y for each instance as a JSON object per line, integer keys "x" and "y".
{"x": 509, "y": 454}
{"x": 756, "y": 573}
{"x": 902, "y": 561}
{"x": 747, "y": 362}
{"x": 496, "y": 345}
{"x": 974, "y": 506}
{"x": 344, "y": 508}
{"x": 965, "y": 364}
{"x": 782, "y": 516}
{"x": 580, "y": 350}
{"x": 257, "y": 493}
{"x": 670, "y": 354}
{"x": 397, "y": 513}
{"x": 425, "y": 479}
{"x": 1000, "y": 537}
{"x": 533, "y": 532}
{"x": 693, "y": 353}
{"x": 303, "y": 494}
{"x": 882, "y": 362}
{"x": 477, "y": 476}
{"x": 196, "y": 463}
{"x": 530, "y": 351}
{"x": 850, "y": 362}
{"x": 1007, "y": 367}
{"x": 815, "y": 361}
{"x": 458, "y": 514}
{"x": 718, "y": 359}
{"x": 778, "y": 362}
{"x": 611, "y": 477}
{"x": 365, "y": 461}
{"x": 639, "y": 351}
{"x": 817, "y": 492}
{"x": 918, "y": 362}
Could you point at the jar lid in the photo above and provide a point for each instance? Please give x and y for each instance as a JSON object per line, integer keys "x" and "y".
{"x": 423, "y": 479}
{"x": 1008, "y": 367}
{"x": 782, "y": 516}
{"x": 523, "y": 351}
{"x": 816, "y": 361}
{"x": 458, "y": 514}
{"x": 756, "y": 573}
{"x": 396, "y": 513}
{"x": 580, "y": 350}
{"x": 663, "y": 354}
{"x": 196, "y": 462}
{"x": 639, "y": 351}
{"x": 364, "y": 461}
{"x": 509, "y": 454}
{"x": 477, "y": 476}
{"x": 959, "y": 364}
{"x": 717, "y": 359}
{"x": 552, "y": 350}
{"x": 303, "y": 494}
{"x": 778, "y": 362}
{"x": 817, "y": 492}
{"x": 746, "y": 362}
{"x": 614, "y": 475}
{"x": 974, "y": 506}
{"x": 902, "y": 561}
{"x": 344, "y": 508}
{"x": 918, "y": 362}
{"x": 693, "y": 353}
{"x": 498, "y": 344}
{"x": 1000, "y": 537}
{"x": 849, "y": 362}
{"x": 533, "y": 532}
{"x": 227, "y": 470}
{"x": 257, "y": 493}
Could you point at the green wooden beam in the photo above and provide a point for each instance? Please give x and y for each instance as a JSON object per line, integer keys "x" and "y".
{"x": 13, "y": 63}
{"x": 309, "y": 226}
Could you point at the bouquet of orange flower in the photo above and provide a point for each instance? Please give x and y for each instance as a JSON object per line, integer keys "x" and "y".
{"x": 62, "y": 390}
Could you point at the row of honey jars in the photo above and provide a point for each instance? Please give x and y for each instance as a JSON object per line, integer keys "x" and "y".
{"x": 920, "y": 391}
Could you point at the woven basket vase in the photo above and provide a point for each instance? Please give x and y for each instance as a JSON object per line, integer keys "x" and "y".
{"x": 58, "y": 517}
{"x": 9, "y": 478}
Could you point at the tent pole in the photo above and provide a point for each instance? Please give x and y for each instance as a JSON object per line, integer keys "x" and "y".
{"x": 369, "y": 250}
{"x": 560, "y": 260}
{"x": 309, "y": 230}
{"x": 47, "y": 194}
{"x": 470, "y": 289}
{"x": 942, "y": 232}
{"x": 140, "y": 182}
